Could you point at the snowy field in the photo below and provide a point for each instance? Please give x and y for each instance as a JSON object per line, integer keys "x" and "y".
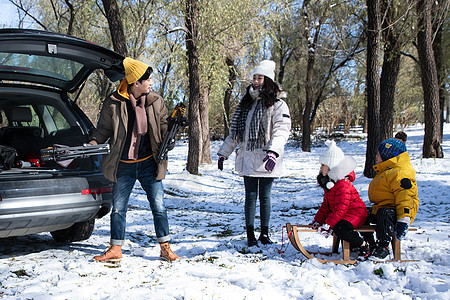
{"x": 206, "y": 216}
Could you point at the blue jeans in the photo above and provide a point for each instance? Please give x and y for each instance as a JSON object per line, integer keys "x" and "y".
{"x": 127, "y": 174}
{"x": 253, "y": 187}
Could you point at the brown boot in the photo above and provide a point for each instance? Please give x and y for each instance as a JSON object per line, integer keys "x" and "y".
{"x": 167, "y": 253}
{"x": 114, "y": 253}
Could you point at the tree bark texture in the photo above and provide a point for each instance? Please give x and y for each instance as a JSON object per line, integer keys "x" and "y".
{"x": 115, "y": 26}
{"x": 440, "y": 69}
{"x": 309, "y": 90}
{"x": 389, "y": 71}
{"x": 430, "y": 84}
{"x": 306, "y": 130}
{"x": 166, "y": 73}
{"x": 71, "y": 18}
{"x": 228, "y": 92}
{"x": 194, "y": 131}
{"x": 298, "y": 88}
{"x": 205, "y": 151}
{"x": 373, "y": 85}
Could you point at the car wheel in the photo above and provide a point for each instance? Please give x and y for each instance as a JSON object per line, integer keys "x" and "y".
{"x": 77, "y": 232}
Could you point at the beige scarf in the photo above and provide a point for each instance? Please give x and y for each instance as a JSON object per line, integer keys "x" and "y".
{"x": 139, "y": 127}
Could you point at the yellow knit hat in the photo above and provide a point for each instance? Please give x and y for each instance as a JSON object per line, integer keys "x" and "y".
{"x": 134, "y": 69}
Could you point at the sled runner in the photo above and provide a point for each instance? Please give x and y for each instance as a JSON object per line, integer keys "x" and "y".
{"x": 293, "y": 235}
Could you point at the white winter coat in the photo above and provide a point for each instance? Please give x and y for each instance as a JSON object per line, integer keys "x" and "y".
{"x": 250, "y": 163}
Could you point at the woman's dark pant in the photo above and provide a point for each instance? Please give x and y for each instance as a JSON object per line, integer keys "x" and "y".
{"x": 255, "y": 186}
{"x": 345, "y": 231}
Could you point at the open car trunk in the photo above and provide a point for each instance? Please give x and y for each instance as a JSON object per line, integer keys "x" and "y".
{"x": 37, "y": 195}
{"x": 37, "y": 71}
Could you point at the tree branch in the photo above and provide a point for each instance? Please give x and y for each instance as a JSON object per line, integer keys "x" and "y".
{"x": 20, "y": 7}
{"x": 410, "y": 56}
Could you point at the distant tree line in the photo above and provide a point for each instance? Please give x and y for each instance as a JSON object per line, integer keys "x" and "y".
{"x": 378, "y": 64}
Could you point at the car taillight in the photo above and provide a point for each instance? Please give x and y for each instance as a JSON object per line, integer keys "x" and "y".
{"x": 96, "y": 191}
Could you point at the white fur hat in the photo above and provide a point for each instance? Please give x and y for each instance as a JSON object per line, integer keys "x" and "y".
{"x": 332, "y": 156}
{"x": 266, "y": 68}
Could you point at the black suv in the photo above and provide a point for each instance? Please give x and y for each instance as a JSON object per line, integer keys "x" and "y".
{"x": 37, "y": 71}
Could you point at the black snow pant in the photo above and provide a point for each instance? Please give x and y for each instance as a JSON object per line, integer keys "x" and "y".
{"x": 345, "y": 231}
{"x": 385, "y": 220}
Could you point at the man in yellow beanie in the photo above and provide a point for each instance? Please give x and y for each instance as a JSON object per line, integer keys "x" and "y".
{"x": 133, "y": 120}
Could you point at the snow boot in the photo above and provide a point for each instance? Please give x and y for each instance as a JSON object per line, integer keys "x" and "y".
{"x": 251, "y": 239}
{"x": 364, "y": 251}
{"x": 381, "y": 253}
{"x": 167, "y": 253}
{"x": 113, "y": 254}
{"x": 264, "y": 237}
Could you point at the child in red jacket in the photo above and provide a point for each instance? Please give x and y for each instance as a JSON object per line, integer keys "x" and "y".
{"x": 342, "y": 208}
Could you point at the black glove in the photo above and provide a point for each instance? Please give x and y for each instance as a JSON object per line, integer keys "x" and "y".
{"x": 220, "y": 162}
{"x": 401, "y": 227}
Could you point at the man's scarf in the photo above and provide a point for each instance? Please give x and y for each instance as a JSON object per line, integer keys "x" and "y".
{"x": 258, "y": 135}
{"x": 139, "y": 127}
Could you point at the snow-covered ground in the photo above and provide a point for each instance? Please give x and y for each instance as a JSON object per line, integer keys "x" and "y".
{"x": 206, "y": 216}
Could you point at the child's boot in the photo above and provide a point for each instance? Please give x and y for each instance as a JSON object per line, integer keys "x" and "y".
{"x": 380, "y": 253}
{"x": 364, "y": 251}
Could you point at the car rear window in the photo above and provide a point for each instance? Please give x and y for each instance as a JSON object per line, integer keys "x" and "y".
{"x": 54, "y": 67}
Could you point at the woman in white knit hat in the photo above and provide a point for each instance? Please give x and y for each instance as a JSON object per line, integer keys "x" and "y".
{"x": 342, "y": 209}
{"x": 259, "y": 129}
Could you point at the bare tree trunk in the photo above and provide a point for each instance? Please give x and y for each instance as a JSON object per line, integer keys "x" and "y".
{"x": 285, "y": 56}
{"x": 71, "y": 18}
{"x": 440, "y": 69}
{"x": 166, "y": 72}
{"x": 194, "y": 131}
{"x": 365, "y": 119}
{"x": 430, "y": 84}
{"x": 447, "y": 120}
{"x": 373, "y": 85}
{"x": 313, "y": 98}
{"x": 300, "y": 106}
{"x": 306, "y": 130}
{"x": 115, "y": 26}
{"x": 389, "y": 72}
{"x": 205, "y": 154}
{"x": 309, "y": 91}
{"x": 227, "y": 98}
{"x": 447, "y": 104}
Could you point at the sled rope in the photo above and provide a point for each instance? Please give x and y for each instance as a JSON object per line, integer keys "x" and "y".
{"x": 282, "y": 240}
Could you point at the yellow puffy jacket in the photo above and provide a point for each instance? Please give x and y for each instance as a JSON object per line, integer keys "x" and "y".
{"x": 395, "y": 186}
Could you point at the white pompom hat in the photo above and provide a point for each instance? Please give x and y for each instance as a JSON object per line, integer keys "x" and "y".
{"x": 266, "y": 68}
{"x": 332, "y": 156}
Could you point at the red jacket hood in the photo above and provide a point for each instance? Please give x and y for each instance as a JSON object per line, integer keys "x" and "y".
{"x": 351, "y": 176}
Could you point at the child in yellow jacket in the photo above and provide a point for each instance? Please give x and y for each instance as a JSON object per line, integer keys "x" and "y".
{"x": 394, "y": 195}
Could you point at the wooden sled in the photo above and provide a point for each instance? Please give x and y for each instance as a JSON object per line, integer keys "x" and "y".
{"x": 293, "y": 230}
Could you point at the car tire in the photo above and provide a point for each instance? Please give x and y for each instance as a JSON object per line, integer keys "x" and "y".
{"x": 77, "y": 232}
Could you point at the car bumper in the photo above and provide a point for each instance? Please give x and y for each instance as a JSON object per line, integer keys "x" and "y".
{"x": 34, "y": 206}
